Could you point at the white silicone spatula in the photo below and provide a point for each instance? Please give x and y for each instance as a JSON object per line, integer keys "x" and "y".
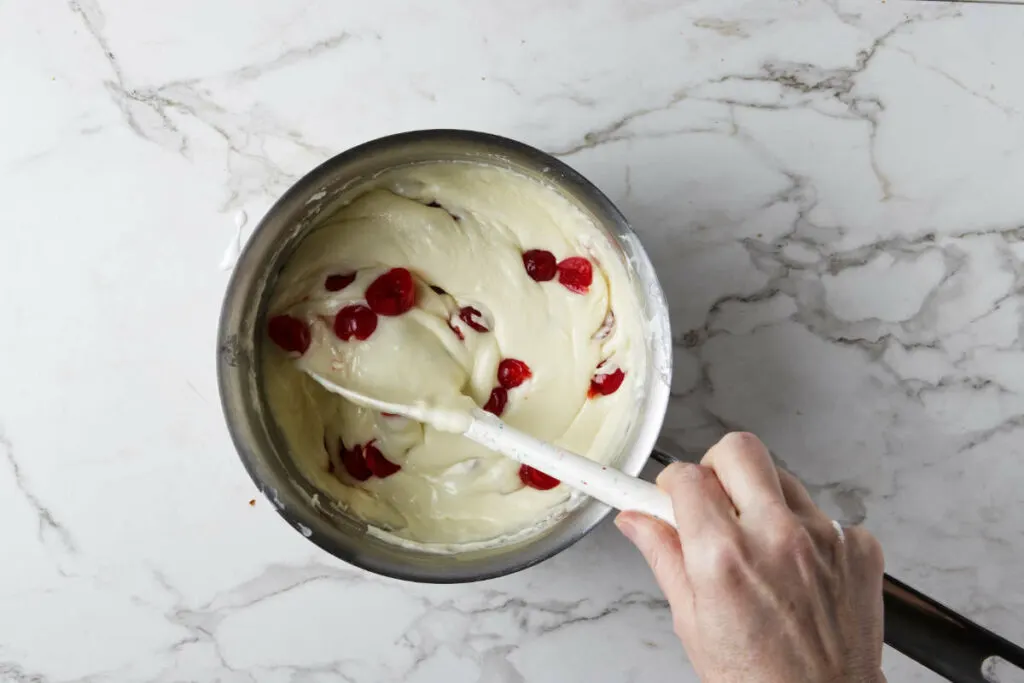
{"x": 606, "y": 484}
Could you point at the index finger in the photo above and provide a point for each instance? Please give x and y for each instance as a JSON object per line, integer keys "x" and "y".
{"x": 746, "y": 471}
{"x": 699, "y": 503}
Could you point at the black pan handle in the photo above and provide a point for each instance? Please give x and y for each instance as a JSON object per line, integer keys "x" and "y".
{"x": 930, "y": 633}
{"x": 948, "y": 643}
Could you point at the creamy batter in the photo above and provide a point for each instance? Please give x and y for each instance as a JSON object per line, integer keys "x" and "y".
{"x": 461, "y": 231}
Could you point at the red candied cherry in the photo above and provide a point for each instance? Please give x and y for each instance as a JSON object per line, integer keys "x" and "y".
{"x": 540, "y": 264}
{"x": 336, "y": 283}
{"x": 290, "y": 333}
{"x": 604, "y": 385}
{"x": 355, "y": 463}
{"x": 393, "y": 293}
{"x": 457, "y": 331}
{"x": 512, "y": 373}
{"x": 575, "y": 274}
{"x": 536, "y": 479}
{"x": 355, "y": 321}
{"x": 377, "y": 463}
{"x": 473, "y": 317}
{"x": 497, "y": 401}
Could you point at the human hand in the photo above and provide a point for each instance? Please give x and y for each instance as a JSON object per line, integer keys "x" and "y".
{"x": 762, "y": 587}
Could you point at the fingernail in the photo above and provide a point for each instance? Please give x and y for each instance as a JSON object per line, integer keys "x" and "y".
{"x": 627, "y": 527}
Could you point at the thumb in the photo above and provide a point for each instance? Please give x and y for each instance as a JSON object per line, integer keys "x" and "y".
{"x": 660, "y": 546}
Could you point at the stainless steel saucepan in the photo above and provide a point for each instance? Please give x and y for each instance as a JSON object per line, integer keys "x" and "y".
{"x": 916, "y": 625}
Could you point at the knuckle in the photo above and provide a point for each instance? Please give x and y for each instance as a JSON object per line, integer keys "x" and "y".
{"x": 735, "y": 450}
{"x": 740, "y": 443}
{"x": 679, "y": 474}
{"x": 720, "y": 558}
{"x": 787, "y": 537}
{"x": 822, "y": 530}
{"x": 778, "y": 527}
{"x": 868, "y": 548}
{"x": 801, "y": 546}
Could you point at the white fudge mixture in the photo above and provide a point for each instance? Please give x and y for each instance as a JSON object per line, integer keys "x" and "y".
{"x": 458, "y": 284}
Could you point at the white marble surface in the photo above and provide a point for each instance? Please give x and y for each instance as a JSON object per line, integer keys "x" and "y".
{"x": 832, "y": 190}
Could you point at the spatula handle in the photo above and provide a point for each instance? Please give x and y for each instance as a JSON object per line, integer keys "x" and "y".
{"x": 605, "y": 483}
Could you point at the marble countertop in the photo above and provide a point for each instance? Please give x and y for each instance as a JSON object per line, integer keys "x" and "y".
{"x": 831, "y": 190}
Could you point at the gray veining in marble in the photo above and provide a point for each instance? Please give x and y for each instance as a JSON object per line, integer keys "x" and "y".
{"x": 831, "y": 192}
